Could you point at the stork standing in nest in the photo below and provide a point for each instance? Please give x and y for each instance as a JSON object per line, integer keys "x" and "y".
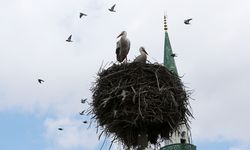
{"x": 122, "y": 47}
{"x": 143, "y": 57}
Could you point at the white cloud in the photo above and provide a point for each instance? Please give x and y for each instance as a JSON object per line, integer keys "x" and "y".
{"x": 75, "y": 134}
{"x": 212, "y": 53}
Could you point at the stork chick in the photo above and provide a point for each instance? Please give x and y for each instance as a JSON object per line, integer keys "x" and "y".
{"x": 122, "y": 47}
{"x": 143, "y": 57}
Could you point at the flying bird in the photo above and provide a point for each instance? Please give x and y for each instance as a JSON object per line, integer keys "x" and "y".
{"x": 40, "y": 80}
{"x": 83, "y": 100}
{"x": 82, "y": 113}
{"x": 69, "y": 39}
{"x": 173, "y": 55}
{"x": 187, "y": 21}
{"x": 143, "y": 57}
{"x": 122, "y": 47}
{"x": 82, "y": 14}
{"x": 60, "y": 129}
{"x": 112, "y": 9}
{"x": 85, "y": 122}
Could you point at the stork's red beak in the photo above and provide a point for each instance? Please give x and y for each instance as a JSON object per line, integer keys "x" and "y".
{"x": 144, "y": 51}
{"x": 119, "y": 35}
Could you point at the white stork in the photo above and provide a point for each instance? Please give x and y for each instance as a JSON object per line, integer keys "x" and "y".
{"x": 143, "y": 57}
{"x": 122, "y": 47}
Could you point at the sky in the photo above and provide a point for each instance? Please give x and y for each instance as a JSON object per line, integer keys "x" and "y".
{"x": 212, "y": 56}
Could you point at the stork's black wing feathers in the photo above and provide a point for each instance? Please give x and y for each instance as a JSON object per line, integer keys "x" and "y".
{"x": 112, "y": 8}
{"x": 70, "y": 37}
{"x": 117, "y": 51}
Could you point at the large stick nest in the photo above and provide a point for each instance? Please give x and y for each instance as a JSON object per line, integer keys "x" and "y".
{"x": 134, "y": 98}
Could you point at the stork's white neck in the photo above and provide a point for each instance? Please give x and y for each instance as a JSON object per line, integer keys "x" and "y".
{"x": 125, "y": 34}
{"x": 143, "y": 53}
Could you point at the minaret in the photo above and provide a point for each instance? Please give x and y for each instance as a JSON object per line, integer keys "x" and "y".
{"x": 169, "y": 61}
{"x": 181, "y": 140}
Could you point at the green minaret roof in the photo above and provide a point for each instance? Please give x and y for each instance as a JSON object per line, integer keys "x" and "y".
{"x": 169, "y": 61}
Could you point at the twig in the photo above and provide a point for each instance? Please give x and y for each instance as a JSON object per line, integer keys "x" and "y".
{"x": 158, "y": 85}
{"x": 133, "y": 89}
{"x": 139, "y": 105}
{"x": 112, "y": 143}
{"x": 103, "y": 142}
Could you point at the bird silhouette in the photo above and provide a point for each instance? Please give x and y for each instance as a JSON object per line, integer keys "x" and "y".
{"x": 69, "y": 39}
{"x": 143, "y": 57}
{"x": 187, "y": 21}
{"x": 82, "y": 113}
{"x": 112, "y": 9}
{"x": 122, "y": 47}
{"x": 60, "y": 129}
{"x": 40, "y": 80}
{"x": 173, "y": 55}
{"x": 82, "y": 14}
{"x": 85, "y": 122}
{"x": 83, "y": 100}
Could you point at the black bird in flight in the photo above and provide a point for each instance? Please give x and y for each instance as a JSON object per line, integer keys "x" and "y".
{"x": 85, "y": 122}
{"x": 83, "y": 100}
{"x": 82, "y": 14}
{"x": 112, "y": 9}
{"x": 173, "y": 55}
{"x": 40, "y": 80}
{"x": 82, "y": 113}
{"x": 60, "y": 129}
{"x": 187, "y": 21}
{"x": 69, "y": 39}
